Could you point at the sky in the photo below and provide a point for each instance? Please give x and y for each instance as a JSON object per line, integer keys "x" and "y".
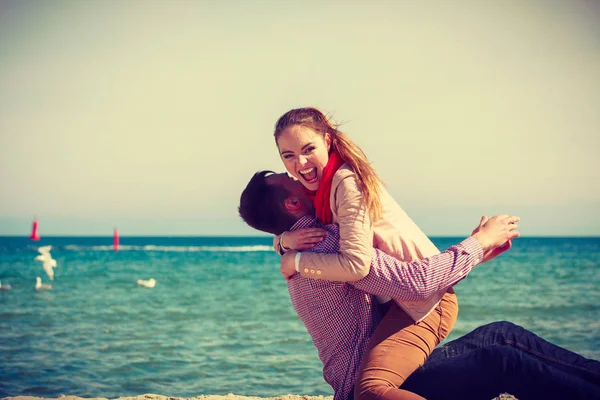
{"x": 151, "y": 116}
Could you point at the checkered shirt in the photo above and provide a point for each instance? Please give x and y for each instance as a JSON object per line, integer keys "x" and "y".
{"x": 340, "y": 317}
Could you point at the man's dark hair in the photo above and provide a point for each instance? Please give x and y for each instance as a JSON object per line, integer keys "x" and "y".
{"x": 261, "y": 205}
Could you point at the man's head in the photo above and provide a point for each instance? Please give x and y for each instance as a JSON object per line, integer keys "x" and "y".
{"x": 273, "y": 202}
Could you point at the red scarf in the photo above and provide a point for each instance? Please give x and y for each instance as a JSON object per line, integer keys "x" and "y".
{"x": 320, "y": 198}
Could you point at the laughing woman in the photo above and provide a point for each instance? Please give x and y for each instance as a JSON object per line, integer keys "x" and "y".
{"x": 346, "y": 190}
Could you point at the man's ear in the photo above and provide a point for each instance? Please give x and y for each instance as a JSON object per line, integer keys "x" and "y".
{"x": 292, "y": 204}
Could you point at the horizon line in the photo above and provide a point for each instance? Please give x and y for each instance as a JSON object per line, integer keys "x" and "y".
{"x": 257, "y": 236}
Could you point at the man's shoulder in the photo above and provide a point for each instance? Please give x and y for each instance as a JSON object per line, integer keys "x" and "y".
{"x": 306, "y": 221}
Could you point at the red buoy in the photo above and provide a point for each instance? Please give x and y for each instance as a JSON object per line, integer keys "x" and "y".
{"x": 116, "y": 239}
{"x": 34, "y": 230}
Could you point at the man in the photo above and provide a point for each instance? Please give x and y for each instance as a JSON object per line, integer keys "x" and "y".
{"x": 341, "y": 317}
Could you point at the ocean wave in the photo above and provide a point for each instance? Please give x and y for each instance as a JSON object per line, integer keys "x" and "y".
{"x": 177, "y": 249}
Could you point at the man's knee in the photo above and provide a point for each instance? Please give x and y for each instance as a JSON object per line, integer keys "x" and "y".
{"x": 502, "y": 327}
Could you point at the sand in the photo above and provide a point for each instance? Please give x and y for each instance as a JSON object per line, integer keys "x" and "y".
{"x": 230, "y": 396}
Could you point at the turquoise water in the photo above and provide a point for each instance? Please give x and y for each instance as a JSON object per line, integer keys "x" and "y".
{"x": 220, "y": 320}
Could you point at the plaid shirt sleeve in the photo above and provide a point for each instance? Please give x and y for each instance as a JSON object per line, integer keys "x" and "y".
{"x": 418, "y": 280}
{"x": 403, "y": 280}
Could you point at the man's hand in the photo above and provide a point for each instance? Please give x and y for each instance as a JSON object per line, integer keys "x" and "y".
{"x": 288, "y": 264}
{"x": 495, "y": 234}
{"x": 303, "y": 239}
{"x": 495, "y": 252}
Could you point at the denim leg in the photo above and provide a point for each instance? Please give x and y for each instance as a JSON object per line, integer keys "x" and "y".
{"x": 489, "y": 371}
{"x": 503, "y": 357}
{"x": 509, "y": 334}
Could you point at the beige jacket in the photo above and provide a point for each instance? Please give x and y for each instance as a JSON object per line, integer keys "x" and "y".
{"x": 394, "y": 233}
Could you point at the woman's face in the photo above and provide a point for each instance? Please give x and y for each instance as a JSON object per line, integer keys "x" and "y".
{"x": 304, "y": 153}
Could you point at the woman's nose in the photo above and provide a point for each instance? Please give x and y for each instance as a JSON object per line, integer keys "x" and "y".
{"x": 302, "y": 160}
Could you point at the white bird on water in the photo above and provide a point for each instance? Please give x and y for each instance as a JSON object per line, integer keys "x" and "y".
{"x": 150, "y": 283}
{"x": 4, "y": 287}
{"x": 41, "y": 286}
{"x": 47, "y": 261}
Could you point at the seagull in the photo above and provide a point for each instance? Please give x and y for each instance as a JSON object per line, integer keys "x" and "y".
{"x": 41, "y": 286}
{"x": 47, "y": 261}
{"x": 150, "y": 283}
{"x": 4, "y": 287}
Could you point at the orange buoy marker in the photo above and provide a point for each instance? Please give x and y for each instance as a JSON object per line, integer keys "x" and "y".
{"x": 116, "y": 239}
{"x": 34, "y": 230}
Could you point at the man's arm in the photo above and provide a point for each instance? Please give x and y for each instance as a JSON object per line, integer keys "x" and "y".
{"x": 403, "y": 280}
{"x": 417, "y": 280}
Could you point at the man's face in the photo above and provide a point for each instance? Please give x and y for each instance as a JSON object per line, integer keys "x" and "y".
{"x": 294, "y": 187}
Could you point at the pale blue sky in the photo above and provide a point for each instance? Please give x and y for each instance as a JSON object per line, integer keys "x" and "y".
{"x": 152, "y": 115}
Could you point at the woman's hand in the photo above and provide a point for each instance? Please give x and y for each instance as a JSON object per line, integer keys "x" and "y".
{"x": 288, "y": 264}
{"x": 303, "y": 239}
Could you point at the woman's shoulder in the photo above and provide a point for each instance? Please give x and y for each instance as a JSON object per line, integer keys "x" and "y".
{"x": 344, "y": 183}
{"x": 342, "y": 173}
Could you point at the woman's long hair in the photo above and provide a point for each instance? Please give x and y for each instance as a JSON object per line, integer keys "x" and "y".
{"x": 368, "y": 181}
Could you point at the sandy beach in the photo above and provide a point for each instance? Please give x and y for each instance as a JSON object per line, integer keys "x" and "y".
{"x": 229, "y": 396}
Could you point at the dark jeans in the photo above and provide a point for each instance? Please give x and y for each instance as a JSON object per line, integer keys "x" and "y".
{"x": 502, "y": 357}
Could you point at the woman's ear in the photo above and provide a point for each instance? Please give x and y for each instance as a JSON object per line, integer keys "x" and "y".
{"x": 328, "y": 140}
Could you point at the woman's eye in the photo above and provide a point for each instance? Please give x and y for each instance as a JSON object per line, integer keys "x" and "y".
{"x": 309, "y": 149}
{"x": 287, "y": 156}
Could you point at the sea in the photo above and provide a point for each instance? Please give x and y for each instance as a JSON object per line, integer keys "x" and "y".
{"x": 219, "y": 319}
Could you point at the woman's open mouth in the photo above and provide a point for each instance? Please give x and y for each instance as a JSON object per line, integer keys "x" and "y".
{"x": 309, "y": 174}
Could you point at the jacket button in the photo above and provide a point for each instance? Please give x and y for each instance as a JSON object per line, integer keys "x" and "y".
{"x": 306, "y": 270}
{"x": 312, "y": 271}
{"x": 318, "y": 272}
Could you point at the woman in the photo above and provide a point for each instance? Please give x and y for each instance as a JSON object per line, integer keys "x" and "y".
{"x": 347, "y": 191}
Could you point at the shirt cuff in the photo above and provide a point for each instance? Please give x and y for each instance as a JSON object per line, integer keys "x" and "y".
{"x": 297, "y": 261}
{"x": 276, "y": 245}
{"x": 473, "y": 247}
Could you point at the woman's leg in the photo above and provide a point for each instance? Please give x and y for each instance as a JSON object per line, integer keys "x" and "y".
{"x": 398, "y": 347}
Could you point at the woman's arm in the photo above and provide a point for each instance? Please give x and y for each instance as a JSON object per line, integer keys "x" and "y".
{"x": 356, "y": 239}
{"x": 298, "y": 239}
{"x": 418, "y": 280}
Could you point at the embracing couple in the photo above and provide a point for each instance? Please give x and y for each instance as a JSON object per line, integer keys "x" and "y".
{"x": 376, "y": 295}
